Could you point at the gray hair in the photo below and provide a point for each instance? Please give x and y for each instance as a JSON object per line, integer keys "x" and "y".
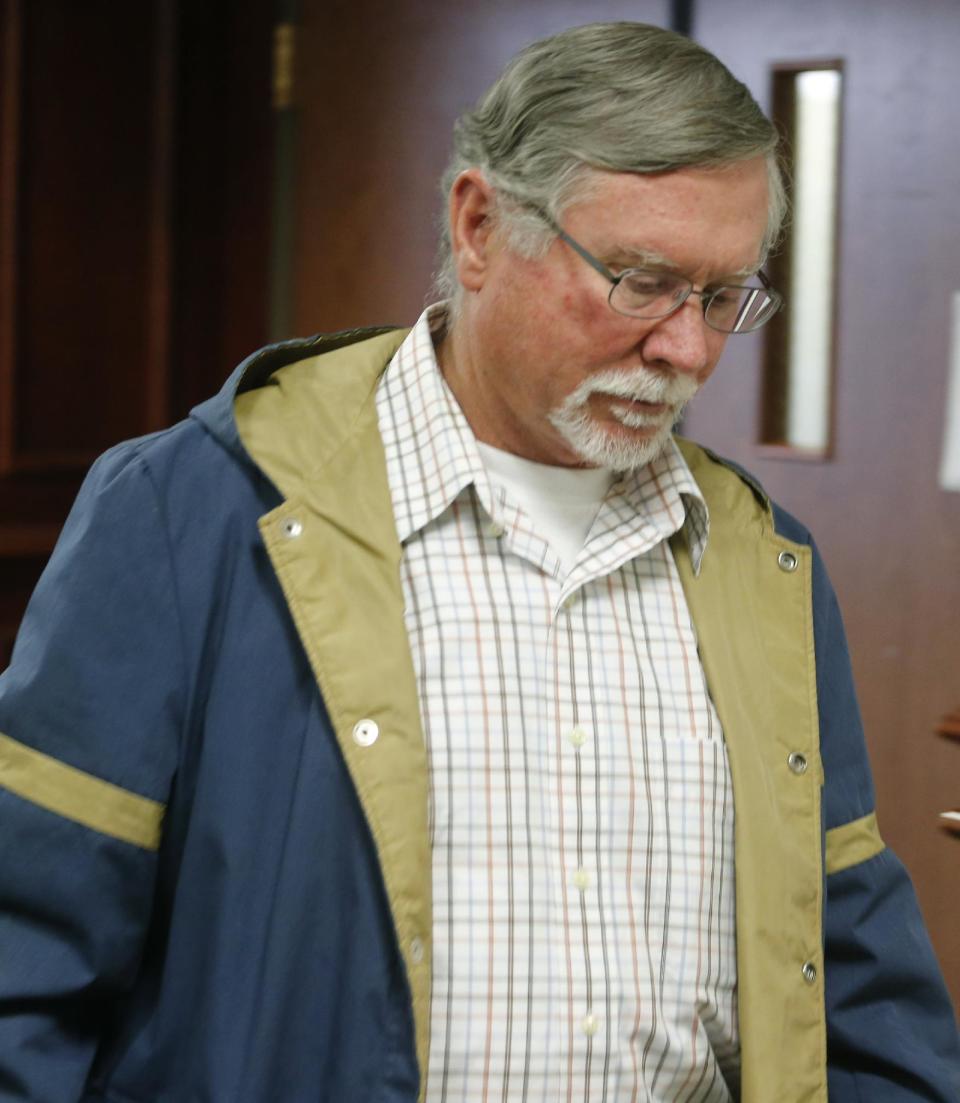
{"x": 620, "y": 97}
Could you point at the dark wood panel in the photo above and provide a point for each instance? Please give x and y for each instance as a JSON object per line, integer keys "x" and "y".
{"x": 135, "y": 181}
{"x": 91, "y": 209}
{"x": 18, "y": 576}
{"x": 222, "y": 209}
{"x": 84, "y": 192}
{"x": 10, "y": 35}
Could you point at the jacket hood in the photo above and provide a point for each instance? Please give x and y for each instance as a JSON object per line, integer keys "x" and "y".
{"x": 217, "y": 414}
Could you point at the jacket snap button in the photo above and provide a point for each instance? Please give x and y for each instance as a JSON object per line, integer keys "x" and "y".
{"x": 291, "y": 528}
{"x": 787, "y": 561}
{"x": 365, "y": 733}
{"x": 797, "y": 762}
{"x": 809, "y": 971}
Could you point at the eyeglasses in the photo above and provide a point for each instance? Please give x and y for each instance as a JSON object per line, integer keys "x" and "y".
{"x": 658, "y": 293}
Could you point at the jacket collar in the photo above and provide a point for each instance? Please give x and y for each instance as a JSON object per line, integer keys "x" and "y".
{"x": 217, "y": 414}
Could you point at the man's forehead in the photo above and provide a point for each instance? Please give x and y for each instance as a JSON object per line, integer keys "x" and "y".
{"x": 676, "y": 219}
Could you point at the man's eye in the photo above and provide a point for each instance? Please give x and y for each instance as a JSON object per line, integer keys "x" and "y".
{"x": 726, "y": 296}
{"x": 649, "y": 284}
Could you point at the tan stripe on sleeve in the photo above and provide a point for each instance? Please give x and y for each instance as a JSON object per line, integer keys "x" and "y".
{"x": 852, "y": 843}
{"x": 79, "y": 796}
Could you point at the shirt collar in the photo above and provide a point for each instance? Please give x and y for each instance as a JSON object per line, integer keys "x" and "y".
{"x": 432, "y": 456}
{"x": 430, "y": 449}
{"x": 665, "y": 496}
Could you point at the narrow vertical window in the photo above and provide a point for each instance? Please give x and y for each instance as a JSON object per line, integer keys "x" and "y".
{"x": 798, "y": 364}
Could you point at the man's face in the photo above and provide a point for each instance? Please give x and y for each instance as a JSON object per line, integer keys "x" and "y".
{"x": 541, "y": 364}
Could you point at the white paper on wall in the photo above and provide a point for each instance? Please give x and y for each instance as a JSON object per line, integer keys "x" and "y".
{"x": 950, "y": 463}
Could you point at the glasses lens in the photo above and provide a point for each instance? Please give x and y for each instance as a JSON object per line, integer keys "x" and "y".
{"x": 740, "y": 309}
{"x": 648, "y": 293}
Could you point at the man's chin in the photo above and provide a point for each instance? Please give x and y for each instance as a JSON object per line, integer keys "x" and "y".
{"x": 617, "y": 447}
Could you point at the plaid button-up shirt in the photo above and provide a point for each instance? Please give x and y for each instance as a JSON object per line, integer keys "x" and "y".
{"x": 581, "y": 813}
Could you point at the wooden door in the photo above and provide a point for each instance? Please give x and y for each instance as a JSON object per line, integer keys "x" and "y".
{"x": 889, "y": 534}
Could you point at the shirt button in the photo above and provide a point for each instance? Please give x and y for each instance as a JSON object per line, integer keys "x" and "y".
{"x": 809, "y": 971}
{"x": 291, "y": 527}
{"x": 568, "y": 602}
{"x": 787, "y": 561}
{"x": 581, "y": 879}
{"x": 416, "y": 951}
{"x": 797, "y": 762}
{"x": 365, "y": 733}
{"x": 589, "y": 1024}
{"x": 577, "y": 737}
{"x": 495, "y": 529}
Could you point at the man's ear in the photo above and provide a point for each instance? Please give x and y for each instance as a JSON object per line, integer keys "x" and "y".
{"x": 471, "y": 205}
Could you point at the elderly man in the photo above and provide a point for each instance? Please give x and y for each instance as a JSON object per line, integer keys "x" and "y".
{"x": 420, "y": 720}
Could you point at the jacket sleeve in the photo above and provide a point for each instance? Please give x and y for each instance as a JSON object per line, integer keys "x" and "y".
{"x": 891, "y": 1032}
{"x": 90, "y": 711}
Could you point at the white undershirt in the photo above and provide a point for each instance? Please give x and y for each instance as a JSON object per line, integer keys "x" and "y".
{"x": 562, "y": 502}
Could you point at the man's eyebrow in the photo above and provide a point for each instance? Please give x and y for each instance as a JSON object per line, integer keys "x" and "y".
{"x": 638, "y": 257}
{"x": 746, "y": 272}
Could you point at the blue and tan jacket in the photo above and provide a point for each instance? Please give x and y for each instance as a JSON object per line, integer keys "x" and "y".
{"x": 211, "y": 891}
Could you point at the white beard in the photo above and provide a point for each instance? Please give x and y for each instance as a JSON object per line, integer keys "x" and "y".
{"x": 596, "y": 444}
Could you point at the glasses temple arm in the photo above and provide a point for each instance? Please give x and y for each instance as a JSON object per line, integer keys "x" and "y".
{"x": 576, "y": 246}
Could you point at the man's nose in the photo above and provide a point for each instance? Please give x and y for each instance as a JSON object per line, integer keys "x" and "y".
{"x": 681, "y": 340}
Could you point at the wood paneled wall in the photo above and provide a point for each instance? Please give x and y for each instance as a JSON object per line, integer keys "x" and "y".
{"x": 134, "y": 236}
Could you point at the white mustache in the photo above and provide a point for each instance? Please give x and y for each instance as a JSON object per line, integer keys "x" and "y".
{"x": 639, "y": 385}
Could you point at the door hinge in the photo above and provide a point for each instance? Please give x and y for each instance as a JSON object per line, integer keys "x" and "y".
{"x": 284, "y": 65}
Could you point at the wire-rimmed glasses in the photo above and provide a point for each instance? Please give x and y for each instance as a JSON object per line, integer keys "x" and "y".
{"x": 659, "y": 292}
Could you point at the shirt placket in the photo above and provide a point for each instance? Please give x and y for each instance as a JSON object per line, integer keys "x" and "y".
{"x": 578, "y": 927}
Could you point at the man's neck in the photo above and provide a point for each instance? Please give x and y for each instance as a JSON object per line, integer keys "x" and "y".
{"x": 491, "y": 421}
